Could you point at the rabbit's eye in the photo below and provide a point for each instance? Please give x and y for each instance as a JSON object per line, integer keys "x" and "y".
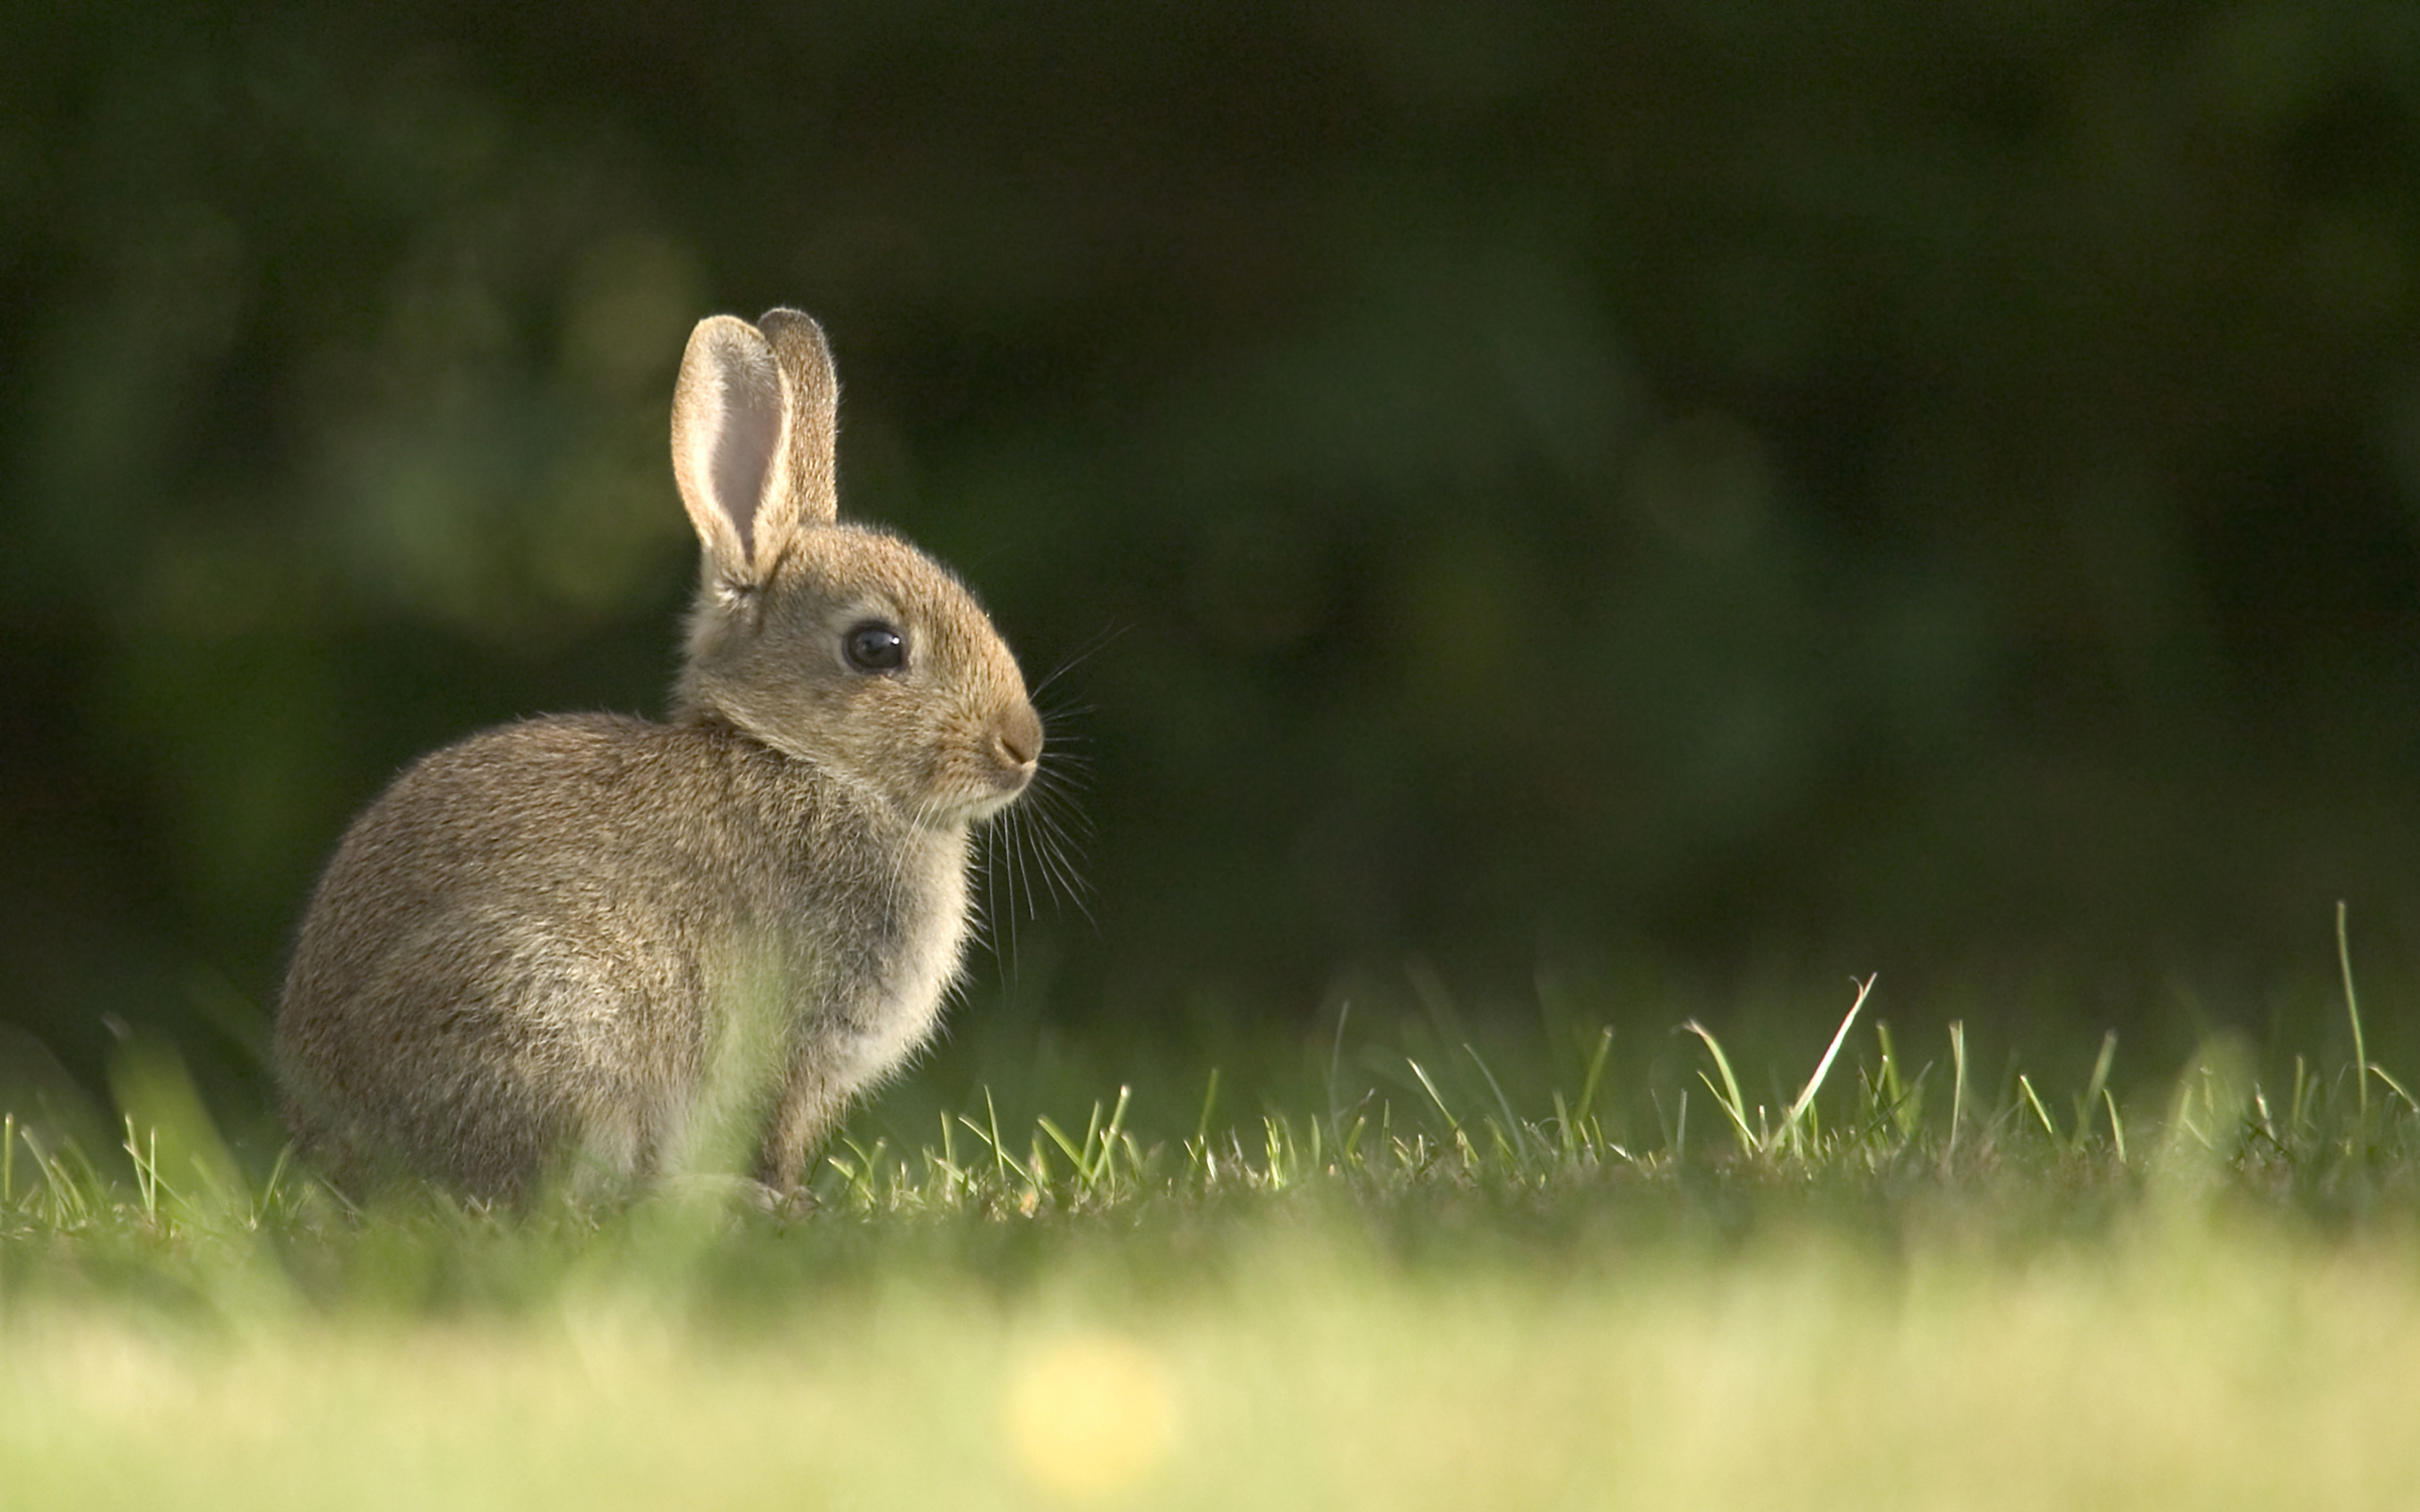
{"x": 875, "y": 646}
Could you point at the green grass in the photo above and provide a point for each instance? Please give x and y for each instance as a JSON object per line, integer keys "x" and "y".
{"x": 1897, "y": 1282}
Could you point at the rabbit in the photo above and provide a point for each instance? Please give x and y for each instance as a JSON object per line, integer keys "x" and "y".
{"x": 573, "y": 947}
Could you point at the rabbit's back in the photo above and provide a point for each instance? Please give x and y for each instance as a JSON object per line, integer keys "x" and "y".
{"x": 513, "y": 955}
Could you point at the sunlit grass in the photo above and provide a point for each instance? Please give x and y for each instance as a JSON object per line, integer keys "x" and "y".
{"x": 1897, "y": 1285}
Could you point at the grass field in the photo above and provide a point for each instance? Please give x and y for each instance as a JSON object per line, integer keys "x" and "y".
{"x": 1894, "y": 1288}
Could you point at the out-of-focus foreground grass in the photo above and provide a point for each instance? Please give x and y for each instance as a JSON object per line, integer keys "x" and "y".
{"x": 1895, "y": 1290}
{"x": 2174, "y": 1362}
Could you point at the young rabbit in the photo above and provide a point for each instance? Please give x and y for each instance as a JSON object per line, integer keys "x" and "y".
{"x": 575, "y": 944}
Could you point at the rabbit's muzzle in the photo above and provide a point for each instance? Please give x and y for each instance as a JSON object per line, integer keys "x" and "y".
{"x": 989, "y": 770}
{"x": 1014, "y": 751}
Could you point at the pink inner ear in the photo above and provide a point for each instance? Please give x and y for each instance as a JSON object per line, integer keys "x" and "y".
{"x": 743, "y": 454}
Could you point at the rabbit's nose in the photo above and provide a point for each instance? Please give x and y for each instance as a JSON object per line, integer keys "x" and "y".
{"x": 1019, "y": 736}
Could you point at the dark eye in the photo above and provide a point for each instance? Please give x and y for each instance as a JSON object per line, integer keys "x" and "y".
{"x": 875, "y": 646}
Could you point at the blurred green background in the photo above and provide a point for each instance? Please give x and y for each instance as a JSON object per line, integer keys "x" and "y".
{"x": 1648, "y": 500}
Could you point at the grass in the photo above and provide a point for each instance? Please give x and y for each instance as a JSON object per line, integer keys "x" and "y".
{"x": 1895, "y": 1283}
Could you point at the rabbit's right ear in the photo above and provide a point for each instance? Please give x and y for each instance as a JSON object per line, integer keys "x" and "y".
{"x": 752, "y": 440}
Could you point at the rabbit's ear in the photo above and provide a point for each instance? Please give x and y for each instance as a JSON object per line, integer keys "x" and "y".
{"x": 810, "y": 400}
{"x": 727, "y": 424}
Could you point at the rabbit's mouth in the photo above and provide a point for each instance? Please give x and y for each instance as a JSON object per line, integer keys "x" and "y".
{"x": 1006, "y": 786}
{"x": 992, "y": 784}
{"x": 956, "y": 818}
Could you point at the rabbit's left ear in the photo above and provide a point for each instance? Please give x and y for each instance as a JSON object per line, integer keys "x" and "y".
{"x": 811, "y": 402}
{"x": 753, "y": 420}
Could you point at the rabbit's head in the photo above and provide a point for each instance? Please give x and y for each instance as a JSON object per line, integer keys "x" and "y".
{"x": 831, "y": 643}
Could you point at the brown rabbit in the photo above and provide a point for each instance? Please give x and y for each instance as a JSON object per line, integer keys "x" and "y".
{"x": 579, "y": 945}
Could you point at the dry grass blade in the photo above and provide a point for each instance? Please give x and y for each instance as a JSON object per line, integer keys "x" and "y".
{"x": 1794, "y": 1122}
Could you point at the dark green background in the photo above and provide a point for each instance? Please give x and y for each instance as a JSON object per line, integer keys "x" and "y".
{"x": 1689, "y": 498}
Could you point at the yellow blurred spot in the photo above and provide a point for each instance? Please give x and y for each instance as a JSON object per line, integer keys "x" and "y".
{"x": 1091, "y": 1414}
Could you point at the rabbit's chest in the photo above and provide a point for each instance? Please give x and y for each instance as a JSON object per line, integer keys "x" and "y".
{"x": 888, "y": 1012}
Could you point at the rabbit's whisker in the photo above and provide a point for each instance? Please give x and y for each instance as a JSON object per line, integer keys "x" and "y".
{"x": 1083, "y": 654}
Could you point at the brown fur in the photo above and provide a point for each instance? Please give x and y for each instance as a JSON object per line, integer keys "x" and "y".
{"x": 592, "y": 944}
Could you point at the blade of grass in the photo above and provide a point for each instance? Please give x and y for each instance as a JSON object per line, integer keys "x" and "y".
{"x": 2025, "y": 1086}
{"x": 1895, "y": 1092}
{"x": 1596, "y": 1072}
{"x": 1728, "y": 1093}
{"x": 2379, "y": 1072}
{"x": 1060, "y": 1138}
{"x": 2093, "y": 1088}
{"x": 1515, "y": 1130}
{"x": 1453, "y": 1123}
{"x": 1200, "y": 1146}
{"x": 2353, "y": 1011}
{"x": 1335, "y": 1064}
{"x": 1110, "y": 1136}
{"x": 1958, "y": 1086}
{"x": 1092, "y": 1135}
{"x": 999, "y": 1151}
{"x": 1792, "y": 1121}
